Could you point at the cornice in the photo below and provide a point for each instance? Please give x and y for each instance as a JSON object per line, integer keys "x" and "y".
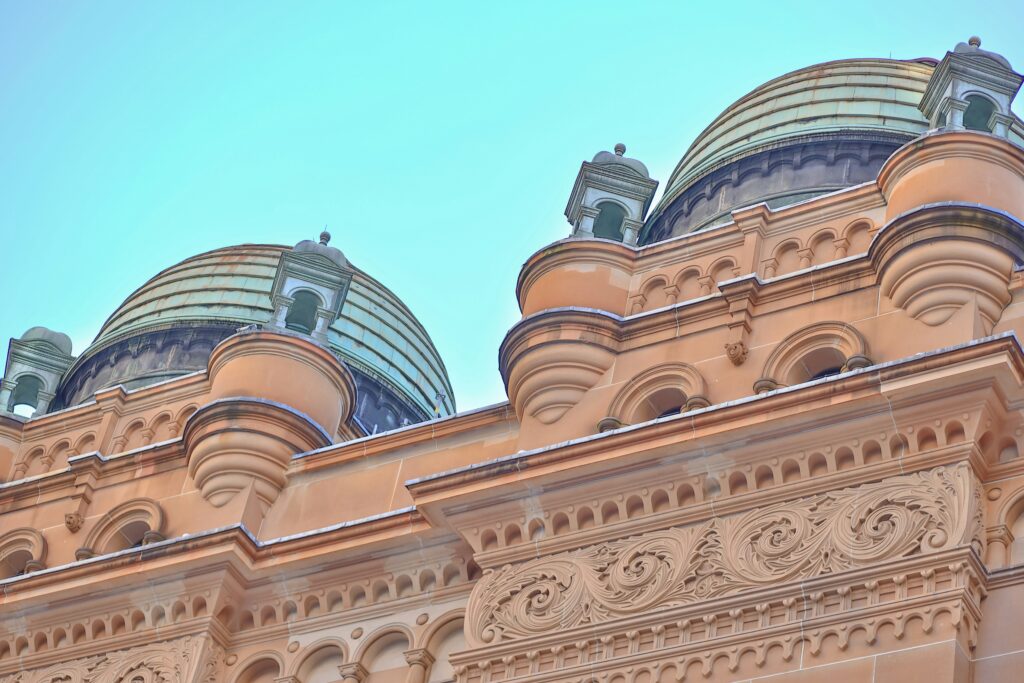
{"x": 253, "y": 559}
{"x": 653, "y": 434}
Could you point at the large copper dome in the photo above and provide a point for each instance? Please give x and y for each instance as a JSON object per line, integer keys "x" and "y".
{"x": 169, "y": 325}
{"x": 811, "y": 131}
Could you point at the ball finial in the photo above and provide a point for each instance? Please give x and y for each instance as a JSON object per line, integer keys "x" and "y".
{"x": 975, "y": 41}
{"x": 325, "y": 237}
{"x": 620, "y": 149}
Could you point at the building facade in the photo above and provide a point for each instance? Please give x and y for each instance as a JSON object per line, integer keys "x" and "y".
{"x": 769, "y": 428}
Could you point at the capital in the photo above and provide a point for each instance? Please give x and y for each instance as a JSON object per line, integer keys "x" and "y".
{"x": 419, "y": 657}
{"x": 353, "y": 672}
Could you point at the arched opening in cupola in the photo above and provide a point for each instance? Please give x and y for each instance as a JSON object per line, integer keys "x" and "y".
{"x": 25, "y": 396}
{"x": 608, "y": 224}
{"x": 978, "y": 113}
{"x": 302, "y": 312}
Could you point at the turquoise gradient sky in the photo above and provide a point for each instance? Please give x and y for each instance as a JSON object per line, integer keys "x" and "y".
{"x": 438, "y": 141}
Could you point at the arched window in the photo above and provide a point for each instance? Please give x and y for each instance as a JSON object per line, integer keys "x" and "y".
{"x": 19, "y": 548}
{"x": 302, "y": 313}
{"x": 609, "y": 221}
{"x": 129, "y": 525}
{"x": 817, "y": 364}
{"x": 979, "y": 113}
{"x": 25, "y": 396}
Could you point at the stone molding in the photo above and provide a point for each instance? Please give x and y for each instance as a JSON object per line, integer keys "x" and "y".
{"x": 898, "y": 517}
{"x": 186, "y": 660}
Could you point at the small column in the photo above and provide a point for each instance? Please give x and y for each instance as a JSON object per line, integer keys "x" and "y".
{"x": 6, "y": 389}
{"x": 585, "y": 229}
{"x": 419, "y": 664}
{"x": 287, "y": 679}
{"x": 353, "y": 672}
{"x": 999, "y": 539}
{"x": 955, "y": 114}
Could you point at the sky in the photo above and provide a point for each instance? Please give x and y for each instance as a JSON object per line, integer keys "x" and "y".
{"x": 437, "y": 141}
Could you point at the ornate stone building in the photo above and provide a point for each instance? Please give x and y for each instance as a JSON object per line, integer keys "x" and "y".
{"x": 769, "y": 428}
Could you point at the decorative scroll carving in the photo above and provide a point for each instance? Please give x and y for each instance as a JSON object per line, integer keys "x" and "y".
{"x": 794, "y": 540}
{"x": 175, "y": 661}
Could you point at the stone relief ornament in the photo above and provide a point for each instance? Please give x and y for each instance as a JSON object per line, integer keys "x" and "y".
{"x": 789, "y": 541}
{"x": 736, "y": 352}
{"x": 73, "y": 521}
{"x": 171, "y": 662}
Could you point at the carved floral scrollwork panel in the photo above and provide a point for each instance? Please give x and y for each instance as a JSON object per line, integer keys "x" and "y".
{"x": 795, "y": 540}
{"x": 177, "y": 661}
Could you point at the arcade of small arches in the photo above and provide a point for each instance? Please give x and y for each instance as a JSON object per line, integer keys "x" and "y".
{"x": 392, "y": 654}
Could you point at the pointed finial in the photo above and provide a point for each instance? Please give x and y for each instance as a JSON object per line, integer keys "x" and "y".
{"x": 975, "y": 41}
{"x": 620, "y": 149}
{"x": 325, "y": 236}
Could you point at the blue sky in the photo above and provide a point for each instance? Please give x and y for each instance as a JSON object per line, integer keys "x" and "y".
{"x": 438, "y": 141}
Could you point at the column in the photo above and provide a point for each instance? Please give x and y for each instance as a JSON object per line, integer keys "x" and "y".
{"x": 6, "y": 388}
{"x": 419, "y": 665}
{"x": 353, "y": 672}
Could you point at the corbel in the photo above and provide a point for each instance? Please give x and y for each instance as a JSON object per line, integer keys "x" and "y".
{"x": 741, "y": 296}
{"x": 87, "y": 473}
{"x": 842, "y": 248}
{"x": 637, "y": 303}
{"x": 672, "y": 294}
{"x": 111, "y": 405}
{"x": 806, "y": 258}
{"x": 752, "y": 223}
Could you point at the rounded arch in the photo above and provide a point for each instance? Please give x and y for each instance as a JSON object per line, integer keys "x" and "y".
{"x": 438, "y": 626}
{"x": 261, "y": 667}
{"x": 85, "y": 443}
{"x": 445, "y": 637}
{"x": 786, "y": 255}
{"x": 980, "y": 108}
{"x": 611, "y": 216}
{"x": 383, "y": 655}
{"x": 822, "y": 245}
{"x": 21, "y": 550}
{"x": 319, "y": 661}
{"x": 127, "y": 525}
{"x": 657, "y": 390}
{"x": 856, "y": 226}
{"x": 653, "y": 291}
{"x": 302, "y": 311}
{"x": 381, "y": 634}
{"x": 1011, "y": 514}
{"x": 26, "y": 395}
{"x": 723, "y": 269}
{"x": 687, "y": 281}
{"x": 813, "y": 351}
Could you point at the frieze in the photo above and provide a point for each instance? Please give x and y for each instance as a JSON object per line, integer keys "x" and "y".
{"x": 822, "y": 534}
{"x": 175, "y": 661}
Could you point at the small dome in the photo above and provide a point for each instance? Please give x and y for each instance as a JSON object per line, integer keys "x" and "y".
{"x": 972, "y": 48}
{"x": 618, "y": 159}
{"x": 59, "y": 340}
{"x": 309, "y": 246}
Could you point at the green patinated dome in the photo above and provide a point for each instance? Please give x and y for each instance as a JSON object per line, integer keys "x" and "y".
{"x": 845, "y": 95}
{"x": 812, "y": 131}
{"x": 376, "y": 334}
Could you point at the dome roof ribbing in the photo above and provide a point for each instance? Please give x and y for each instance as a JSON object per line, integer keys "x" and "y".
{"x": 855, "y": 100}
{"x": 375, "y": 334}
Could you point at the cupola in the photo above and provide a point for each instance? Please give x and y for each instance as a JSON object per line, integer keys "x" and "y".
{"x": 35, "y": 364}
{"x": 310, "y": 286}
{"x": 972, "y": 88}
{"x": 611, "y": 197}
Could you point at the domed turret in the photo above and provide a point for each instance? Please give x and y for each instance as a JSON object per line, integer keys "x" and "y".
{"x": 812, "y": 131}
{"x": 610, "y": 198}
{"x": 170, "y": 325}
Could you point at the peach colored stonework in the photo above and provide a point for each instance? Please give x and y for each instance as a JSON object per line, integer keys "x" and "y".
{"x": 781, "y": 445}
